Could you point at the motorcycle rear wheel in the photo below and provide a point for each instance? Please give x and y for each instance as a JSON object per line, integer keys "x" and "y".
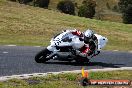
{"x": 41, "y": 56}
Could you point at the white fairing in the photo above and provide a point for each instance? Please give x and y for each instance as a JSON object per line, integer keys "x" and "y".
{"x": 75, "y": 43}
{"x": 101, "y": 41}
{"x": 57, "y": 41}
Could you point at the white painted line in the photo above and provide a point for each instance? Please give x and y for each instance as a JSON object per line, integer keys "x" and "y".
{"x": 115, "y": 50}
{"x": 25, "y": 76}
{"x": 10, "y": 45}
{"x": 130, "y": 51}
{"x": 5, "y": 52}
{"x": 111, "y": 69}
{"x": 37, "y": 46}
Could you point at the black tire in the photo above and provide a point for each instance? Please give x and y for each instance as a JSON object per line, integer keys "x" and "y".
{"x": 41, "y": 56}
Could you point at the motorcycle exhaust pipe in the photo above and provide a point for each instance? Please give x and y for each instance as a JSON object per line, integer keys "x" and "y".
{"x": 63, "y": 56}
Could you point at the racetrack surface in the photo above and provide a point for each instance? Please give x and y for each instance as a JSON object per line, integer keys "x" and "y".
{"x": 15, "y": 60}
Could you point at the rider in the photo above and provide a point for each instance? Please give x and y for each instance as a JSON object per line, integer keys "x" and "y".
{"x": 89, "y": 40}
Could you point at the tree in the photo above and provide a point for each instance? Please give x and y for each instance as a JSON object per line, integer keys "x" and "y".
{"x": 66, "y": 6}
{"x": 24, "y": 1}
{"x": 87, "y": 9}
{"x": 123, "y": 4}
{"x": 42, "y": 3}
{"x": 125, "y": 7}
{"x": 13, "y": 0}
{"x": 127, "y": 15}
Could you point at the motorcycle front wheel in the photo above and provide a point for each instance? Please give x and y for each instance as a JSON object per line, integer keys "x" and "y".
{"x": 41, "y": 56}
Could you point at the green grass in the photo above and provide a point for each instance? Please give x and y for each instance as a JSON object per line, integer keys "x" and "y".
{"x": 68, "y": 80}
{"x": 26, "y": 25}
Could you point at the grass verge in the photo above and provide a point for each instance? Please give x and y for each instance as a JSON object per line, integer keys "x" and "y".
{"x": 25, "y": 25}
{"x": 69, "y": 80}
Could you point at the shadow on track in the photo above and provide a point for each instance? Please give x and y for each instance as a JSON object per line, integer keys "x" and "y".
{"x": 87, "y": 64}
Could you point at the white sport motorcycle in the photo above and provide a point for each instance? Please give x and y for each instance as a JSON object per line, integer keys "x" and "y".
{"x": 63, "y": 48}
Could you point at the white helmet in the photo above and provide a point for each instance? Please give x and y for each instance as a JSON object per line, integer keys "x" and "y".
{"x": 88, "y": 35}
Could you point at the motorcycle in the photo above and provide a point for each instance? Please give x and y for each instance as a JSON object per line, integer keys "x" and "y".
{"x": 63, "y": 48}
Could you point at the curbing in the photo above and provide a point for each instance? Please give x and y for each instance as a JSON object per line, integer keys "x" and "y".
{"x": 10, "y": 45}
{"x": 36, "y": 46}
{"x": 25, "y": 76}
{"x": 130, "y": 51}
{"x": 116, "y": 50}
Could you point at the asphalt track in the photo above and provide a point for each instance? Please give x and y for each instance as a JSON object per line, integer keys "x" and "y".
{"x": 16, "y": 60}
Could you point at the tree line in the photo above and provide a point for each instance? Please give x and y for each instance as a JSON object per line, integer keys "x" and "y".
{"x": 87, "y": 9}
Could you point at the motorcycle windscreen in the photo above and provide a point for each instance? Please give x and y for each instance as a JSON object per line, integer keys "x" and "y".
{"x": 101, "y": 41}
{"x": 62, "y": 39}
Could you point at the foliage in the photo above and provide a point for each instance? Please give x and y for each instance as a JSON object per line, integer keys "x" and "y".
{"x": 66, "y": 6}
{"x": 127, "y": 15}
{"x": 123, "y": 4}
{"x": 115, "y": 8}
{"x": 125, "y": 7}
{"x": 87, "y": 9}
{"x": 42, "y": 3}
{"x": 24, "y": 1}
{"x": 108, "y": 6}
{"x": 13, "y": 0}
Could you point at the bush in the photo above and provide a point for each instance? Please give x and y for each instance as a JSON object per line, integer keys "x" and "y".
{"x": 42, "y": 3}
{"x": 108, "y": 6}
{"x": 24, "y": 1}
{"x": 116, "y": 8}
{"x": 125, "y": 7}
{"x": 123, "y": 4}
{"x": 127, "y": 15}
{"x": 13, "y": 0}
{"x": 67, "y": 7}
{"x": 87, "y": 9}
